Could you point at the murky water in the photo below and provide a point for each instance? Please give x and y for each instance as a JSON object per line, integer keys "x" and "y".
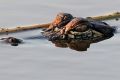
{"x": 39, "y": 59}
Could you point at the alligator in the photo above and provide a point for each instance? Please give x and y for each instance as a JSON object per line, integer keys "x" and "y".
{"x": 67, "y": 27}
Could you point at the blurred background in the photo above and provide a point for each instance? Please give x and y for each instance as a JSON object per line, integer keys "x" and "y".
{"x": 26, "y": 12}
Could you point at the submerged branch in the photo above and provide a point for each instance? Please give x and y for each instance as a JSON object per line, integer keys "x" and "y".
{"x": 115, "y": 15}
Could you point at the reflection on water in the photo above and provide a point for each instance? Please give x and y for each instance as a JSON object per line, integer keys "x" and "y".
{"x": 73, "y": 44}
{"x": 78, "y": 45}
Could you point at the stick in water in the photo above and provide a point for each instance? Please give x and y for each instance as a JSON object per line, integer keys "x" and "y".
{"x": 114, "y": 15}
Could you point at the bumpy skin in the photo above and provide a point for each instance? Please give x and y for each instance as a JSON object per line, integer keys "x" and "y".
{"x": 61, "y": 20}
{"x": 104, "y": 28}
{"x": 65, "y": 27}
{"x": 79, "y": 24}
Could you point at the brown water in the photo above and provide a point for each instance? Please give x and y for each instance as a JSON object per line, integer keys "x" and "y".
{"x": 39, "y": 59}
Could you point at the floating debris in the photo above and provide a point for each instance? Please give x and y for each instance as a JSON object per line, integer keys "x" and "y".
{"x": 12, "y": 40}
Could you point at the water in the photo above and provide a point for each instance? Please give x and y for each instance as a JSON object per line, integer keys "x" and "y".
{"x": 39, "y": 59}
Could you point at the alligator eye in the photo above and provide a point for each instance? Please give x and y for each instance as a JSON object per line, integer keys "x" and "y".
{"x": 81, "y": 28}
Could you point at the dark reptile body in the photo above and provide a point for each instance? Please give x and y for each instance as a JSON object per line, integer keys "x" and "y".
{"x": 78, "y": 29}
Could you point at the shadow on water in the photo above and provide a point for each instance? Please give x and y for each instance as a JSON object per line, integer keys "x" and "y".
{"x": 35, "y": 37}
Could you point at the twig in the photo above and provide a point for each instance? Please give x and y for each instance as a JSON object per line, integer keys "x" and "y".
{"x": 23, "y": 28}
{"x": 109, "y": 16}
{"x": 115, "y": 15}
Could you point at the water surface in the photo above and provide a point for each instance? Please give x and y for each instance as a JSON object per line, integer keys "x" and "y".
{"x": 39, "y": 59}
